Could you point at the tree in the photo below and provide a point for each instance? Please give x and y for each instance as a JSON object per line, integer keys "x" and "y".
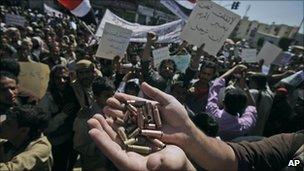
{"x": 284, "y": 43}
{"x": 260, "y": 42}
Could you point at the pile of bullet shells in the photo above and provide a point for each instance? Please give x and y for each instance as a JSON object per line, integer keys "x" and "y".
{"x": 139, "y": 129}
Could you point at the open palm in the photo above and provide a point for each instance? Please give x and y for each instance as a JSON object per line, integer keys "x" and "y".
{"x": 106, "y": 139}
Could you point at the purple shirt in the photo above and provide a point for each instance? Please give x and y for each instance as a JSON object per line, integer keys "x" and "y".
{"x": 230, "y": 126}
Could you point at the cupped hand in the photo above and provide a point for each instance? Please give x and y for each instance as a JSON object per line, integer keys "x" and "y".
{"x": 106, "y": 139}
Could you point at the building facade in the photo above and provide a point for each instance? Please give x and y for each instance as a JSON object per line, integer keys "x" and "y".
{"x": 254, "y": 30}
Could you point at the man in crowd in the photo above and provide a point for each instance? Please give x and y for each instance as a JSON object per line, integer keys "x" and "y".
{"x": 22, "y": 144}
{"x": 239, "y": 114}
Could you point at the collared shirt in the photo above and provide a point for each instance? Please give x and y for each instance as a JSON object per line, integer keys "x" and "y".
{"x": 36, "y": 155}
{"x": 229, "y": 126}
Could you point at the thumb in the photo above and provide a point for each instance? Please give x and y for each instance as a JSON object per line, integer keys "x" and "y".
{"x": 156, "y": 94}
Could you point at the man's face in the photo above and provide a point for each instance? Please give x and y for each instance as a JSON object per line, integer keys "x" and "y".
{"x": 61, "y": 79}
{"x": 8, "y": 127}
{"x": 167, "y": 71}
{"x": 206, "y": 75}
{"x": 85, "y": 76}
{"x": 8, "y": 91}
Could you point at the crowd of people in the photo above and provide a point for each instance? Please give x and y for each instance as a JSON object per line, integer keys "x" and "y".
{"x": 221, "y": 113}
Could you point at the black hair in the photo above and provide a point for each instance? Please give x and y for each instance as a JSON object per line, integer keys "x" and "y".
{"x": 101, "y": 84}
{"x": 132, "y": 86}
{"x": 206, "y": 124}
{"x": 28, "y": 116}
{"x": 64, "y": 97}
{"x": 165, "y": 61}
{"x": 8, "y": 75}
{"x": 260, "y": 79}
{"x": 10, "y": 65}
{"x": 235, "y": 101}
{"x": 208, "y": 64}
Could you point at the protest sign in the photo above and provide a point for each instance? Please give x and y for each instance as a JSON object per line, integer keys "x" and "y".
{"x": 249, "y": 55}
{"x": 283, "y": 59}
{"x": 114, "y": 41}
{"x": 268, "y": 52}
{"x": 181, "y": 61}
{"x": 211, "y": 24}
{"x": 160, "y": 54}
{"x": 265, "y": 69}
{"x": 34, "y": 77}
{"x": 14, "y": 20}
{"x": 294, "y": 79}
{"x": 167, "y": 33}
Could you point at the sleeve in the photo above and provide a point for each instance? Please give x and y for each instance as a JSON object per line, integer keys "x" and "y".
{"x": 31, "y": 158}
{"x": 189, "y": 75}
{"x": 213, "y": 97}
{"x": 271, "y": 153}
{"x": 121, "y": 88}
{"x": 248, "y": 119}
{"x": 151, "y": 76}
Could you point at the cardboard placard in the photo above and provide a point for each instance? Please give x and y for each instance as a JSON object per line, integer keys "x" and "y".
{"x": 211, "y": 24}
{"x": 249, "y": 55}
{"x": 34, "y": 77}
{"x": 268, "y": 52}
{"x": 114, "y": 41}
{"x": 283, "y": 59}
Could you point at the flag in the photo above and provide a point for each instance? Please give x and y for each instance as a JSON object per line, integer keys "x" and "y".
{"x": 81, "y": 9}
{"x": 181, "y": 8}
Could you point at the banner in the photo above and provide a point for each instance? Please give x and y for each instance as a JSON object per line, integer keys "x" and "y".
{"x": 211, "y": 24}
{"x": 114, "y": 41}
{"x": 167, "y": 33}
{"x": 12, "y": 20}
{"x": 268, "y": 52}
{"x": 34, "y": 77}
{"x": 51, "y": 11}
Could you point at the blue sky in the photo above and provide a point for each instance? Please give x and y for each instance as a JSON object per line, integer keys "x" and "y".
{"x": 281, "y": 12}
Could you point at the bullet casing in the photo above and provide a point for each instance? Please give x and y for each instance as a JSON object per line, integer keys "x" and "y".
{"x": 130, "y": 141}
{"x": 157, "y": 118}
{"x": 140, "y": 149}
{"x": 134, "y": 133}
{"x": 152, "y": 133}
{"x": 121, "y": 133}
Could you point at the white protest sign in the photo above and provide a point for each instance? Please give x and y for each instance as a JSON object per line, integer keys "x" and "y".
{"x": 160, "y": 54}
{"x": 11, "y": 19}
{"x": 211, "y": 24}
{"x": 249, "y": 55}
{"x": 268, "y": 52}
{"x": 167, "y": 33}
{"x": 114, "y": 41}
{"x": 283, "y": 59}
{"x": 181, "y": 61}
